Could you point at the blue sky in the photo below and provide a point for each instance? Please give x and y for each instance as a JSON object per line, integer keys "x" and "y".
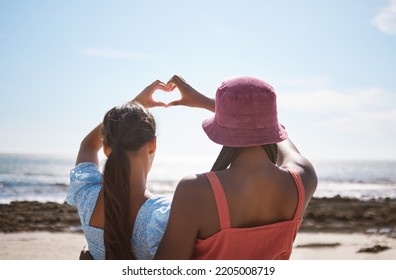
{"x": 332, "y": 63}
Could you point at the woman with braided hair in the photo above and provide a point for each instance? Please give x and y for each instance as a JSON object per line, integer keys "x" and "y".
{"x": 251, "y": 205}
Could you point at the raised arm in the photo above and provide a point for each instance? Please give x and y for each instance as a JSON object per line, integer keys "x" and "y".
{"x": 92, "y": 143}
{"x": 189, "y": 96}
{"x": 146, "y": 96}
{"x": 90, "y": 146}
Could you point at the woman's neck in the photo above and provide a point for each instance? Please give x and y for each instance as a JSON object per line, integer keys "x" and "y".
{"x": 252, "y": 158}
{"x": 139, "y": 169}
{"x": 137, "y": 182}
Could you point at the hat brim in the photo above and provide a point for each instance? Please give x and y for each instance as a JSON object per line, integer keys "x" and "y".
{"x": 243, "y": 137}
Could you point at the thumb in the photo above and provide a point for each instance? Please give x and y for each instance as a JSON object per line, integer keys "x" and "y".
{"x": 174, "y": 103}
{"x": 159, "y": 104}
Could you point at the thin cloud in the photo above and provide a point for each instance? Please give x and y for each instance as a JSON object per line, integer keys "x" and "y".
{"x": 385, "y": 20}
{"x": 116, "y": 54}
{"x": 362, "y": 111}
{"x": 331, "y": 101}
{"x": 311, "y": 82}
{"x": 365, "y": 122}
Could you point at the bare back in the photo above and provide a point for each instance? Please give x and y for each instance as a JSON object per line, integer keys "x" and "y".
{"x": 254, "y": 199}
{"x": 257, "y": 191}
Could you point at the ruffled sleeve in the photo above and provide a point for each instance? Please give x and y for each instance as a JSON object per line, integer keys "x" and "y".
{"x": 85, "y": 185}
{"x": 150, "y": 225}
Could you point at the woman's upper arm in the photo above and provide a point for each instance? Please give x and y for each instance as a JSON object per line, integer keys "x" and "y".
{"x": 308, "y": 176}
{"x": 182, "y": 229}
{"x": 87, "y": 154}
{"x": 290, "y": 158}
{"x": 90, "y": 146}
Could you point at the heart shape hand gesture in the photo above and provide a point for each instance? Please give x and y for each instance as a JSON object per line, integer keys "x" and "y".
{"x": 189, "y": 96}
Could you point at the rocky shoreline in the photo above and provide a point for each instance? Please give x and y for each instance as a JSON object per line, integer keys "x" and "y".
{"x": 340, "y": 215}
{"x": 344, "y": 215}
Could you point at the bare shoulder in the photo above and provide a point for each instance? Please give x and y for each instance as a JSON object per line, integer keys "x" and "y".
{"x": 193, "y": 186}
{"x": 193, "y": 181}
{"x": 185, "y": 219}
{"x": 190, "y": 201}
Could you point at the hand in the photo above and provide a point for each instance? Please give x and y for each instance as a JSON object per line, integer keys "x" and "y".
{"x": 189, "y": 96}
{"x": 146, "y": 96}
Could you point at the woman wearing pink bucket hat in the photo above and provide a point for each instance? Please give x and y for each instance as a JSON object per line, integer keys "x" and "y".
{"x": 251, "y": 205}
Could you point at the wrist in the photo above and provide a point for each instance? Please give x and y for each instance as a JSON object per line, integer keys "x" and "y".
{"x": 136, "y": 100}
{"x": 209, "y": 104}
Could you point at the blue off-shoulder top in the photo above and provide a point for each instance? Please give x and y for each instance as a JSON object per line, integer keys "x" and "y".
{"x": 150, "y": 223}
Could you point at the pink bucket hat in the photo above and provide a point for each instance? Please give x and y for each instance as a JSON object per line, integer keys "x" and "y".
{"x": 245, "y": 114}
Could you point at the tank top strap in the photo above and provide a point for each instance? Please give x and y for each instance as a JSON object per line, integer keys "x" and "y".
{"x": 221, "y": 200}
{"x": 301, "y": 193}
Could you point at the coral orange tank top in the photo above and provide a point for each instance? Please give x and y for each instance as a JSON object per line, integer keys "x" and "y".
{"x": 267, "y": 242}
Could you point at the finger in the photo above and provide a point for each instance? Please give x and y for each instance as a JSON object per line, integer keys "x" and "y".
{"x": 175, "y": 80}
{"x": 181, "y": 78}
{"x": 171, "y": 86}
{"x": 158, "y": 82}
{"x": 180, "y": 83}
{"x": 178, "y": 78}
{"x": 171, "y": 81}
{"x": 161, "y": 86}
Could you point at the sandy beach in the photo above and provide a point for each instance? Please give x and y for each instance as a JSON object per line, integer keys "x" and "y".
{"x": 333, "y": 229}
{"x": 308, "y": 246}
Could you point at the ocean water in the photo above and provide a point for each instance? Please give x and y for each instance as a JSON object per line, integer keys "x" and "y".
{"x": 46, "y": 178}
